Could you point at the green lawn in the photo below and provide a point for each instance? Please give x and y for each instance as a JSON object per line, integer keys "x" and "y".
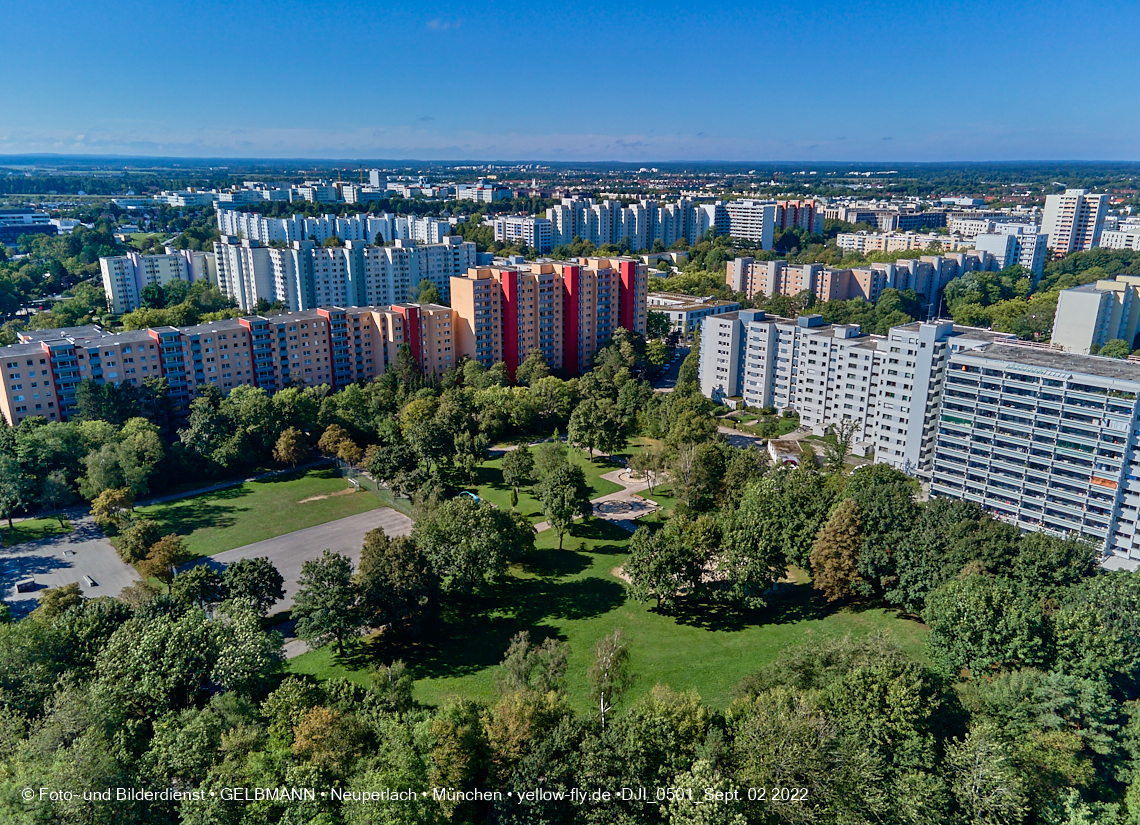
{"x": 256, "y": 510}
{"x": 662, "y": 495}
{"x": 31, "y": 530}
{"x": 574, "y": 596}
{"x": 489, "y": 482}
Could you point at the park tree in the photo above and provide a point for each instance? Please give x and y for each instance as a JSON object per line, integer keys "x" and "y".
{"x": 332, "y": 438}
{"x": 533, "y": 368}
{"x": 1094, "y": 634}
{"x": 549, "y": 456}
{"x": 518, "y": 467}
{"x": 753, "y": 555}
{"x": 291, "y": 447}
{"x": 255, "y": 583}
{"x": 587, "y": 424}
{"x": 163, "y": 556}
{"x": 656, "y": 324}
{"x": 111, "y": 507}
{"x": 393, "y": 684}
{"x": 16, "y": 487}
{"x": 469, "y": 543}
{"x": 56, "y": 601}
{"x": 564, "y": 496}
{"x": 837, "y": 445}
{"x": 157, "y": 662}
{"x": 526, "y": 666}
{"x": 985, "y": 781}
{"x": 398, "y": 589}
{"x": 711, "y": 799}
{"x": 656, "y": 353}
{"x": 611, "y": 674}
{"x": 246, "y": 657}
{"x": 1116, "y": 348}
{"x": 835, "y": 555}
{"x": 326, "y": 606}
{"x": 649, "y": 464}
{"x": 201, "y": 586}
{"x": 661, "y": 564}
{"x": 137, "y": 538}
{"x": 55, "y": 494}
{"x": 393, "y": 459}
{"x": 984, "y": 624}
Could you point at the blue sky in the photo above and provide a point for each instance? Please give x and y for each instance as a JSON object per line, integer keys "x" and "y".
{"x": 817, "y": 80}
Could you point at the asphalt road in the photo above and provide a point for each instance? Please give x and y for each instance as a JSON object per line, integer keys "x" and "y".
{"x": 290, "y": 551}
{"x": 60, "y": 560}
{"x": 668, "y": 379}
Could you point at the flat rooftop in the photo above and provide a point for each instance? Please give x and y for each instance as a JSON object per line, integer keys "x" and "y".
{"x": 1061, "y": 361}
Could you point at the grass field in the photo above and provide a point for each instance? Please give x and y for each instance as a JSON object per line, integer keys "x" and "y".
{"x": 257, "y": 510}
{"x": 489, "y": 482}
{"x": 31, "y": 530}
{"x": 574, "y": 596}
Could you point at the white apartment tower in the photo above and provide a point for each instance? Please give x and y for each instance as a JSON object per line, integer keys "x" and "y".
{"x": 1074, "y": 220}
{"x": 126, "y": 276}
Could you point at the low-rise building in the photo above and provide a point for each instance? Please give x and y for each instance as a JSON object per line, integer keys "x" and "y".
{"x": 685, "y": 312}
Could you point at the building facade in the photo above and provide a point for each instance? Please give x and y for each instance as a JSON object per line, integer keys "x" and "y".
{"x": 567, "y": 309}
{"x": 537, "y": 233}
{"x": 333, "y": 345}
{"x": 1074, "y": 220}
{"x": 126, "y": 276}
{"x": 303, "y": 275}
{"x": 1044, "y": 440}
{"x": 1091, "y": 315}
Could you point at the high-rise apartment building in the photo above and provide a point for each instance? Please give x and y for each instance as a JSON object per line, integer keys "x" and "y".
{"x": 890, "y": 384}
{"x": 537, "y": 233}
{"x": 383, "y": 228}
{"x": 567, "y": 309}
{"x": 1026, "y": 249}
{"x": 1044, "y": 440}
{"x": 1126, "y": 237}
{"x": 126, "y": 276}
{"x": 1091, "y": 315}
{"x": 752, "y": 220}
{"x": 333, "y": 345}
{"x": 1074, "y": 220}
{"x": 927, "y": 276}
{"x": 303, "y": 275}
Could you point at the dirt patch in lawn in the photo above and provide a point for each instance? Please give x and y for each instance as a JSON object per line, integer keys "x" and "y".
{"x": 345, "y": 492}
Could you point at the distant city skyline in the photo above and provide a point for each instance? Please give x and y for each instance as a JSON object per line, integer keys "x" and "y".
{"x": 829, "y": 81}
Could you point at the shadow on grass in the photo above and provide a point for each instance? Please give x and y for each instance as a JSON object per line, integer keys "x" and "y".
{"x": 555, "y": 563}
{"x": 599, "y": 530}
{"x": 475, "y": 633}
{"x": 787, "y": 604}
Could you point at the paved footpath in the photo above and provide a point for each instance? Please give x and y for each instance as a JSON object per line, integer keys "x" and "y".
{"x": 620, "y": 507}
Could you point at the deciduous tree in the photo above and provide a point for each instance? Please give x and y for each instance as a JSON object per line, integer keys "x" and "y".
{"x": 611, "y": 674}
{"x": 291, "y": 447}
{"x": 255, "y": 583}
{"x": 326, "y": 606}
{"x": 564, "y": 496}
